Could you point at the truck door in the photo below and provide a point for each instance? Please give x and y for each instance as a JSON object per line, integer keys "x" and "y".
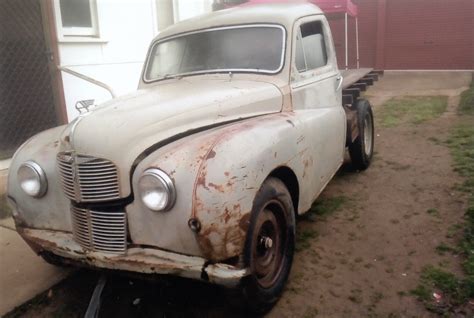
{"x": 316, "y": 96}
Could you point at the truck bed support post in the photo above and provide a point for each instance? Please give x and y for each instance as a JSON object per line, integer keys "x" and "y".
{"x": 357, "y": 41}
{"x": 345, "y": 39}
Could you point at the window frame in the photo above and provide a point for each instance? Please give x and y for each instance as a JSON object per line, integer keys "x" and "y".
{"x": 66, "y": 33}
{"x": 217, "y": 71}
{"x": 299, "y": 34}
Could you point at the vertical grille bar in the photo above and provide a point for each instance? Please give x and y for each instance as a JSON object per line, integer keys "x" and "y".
{"x": 100, "y": 231}
{"x": 88, "y": 179}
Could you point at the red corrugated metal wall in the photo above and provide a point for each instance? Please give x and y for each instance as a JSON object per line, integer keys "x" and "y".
{"x": 413, "y": 34}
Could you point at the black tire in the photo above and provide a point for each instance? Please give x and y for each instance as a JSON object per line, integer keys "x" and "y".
{"x": 362, "y": 149}
{"x": 272, "y": 217}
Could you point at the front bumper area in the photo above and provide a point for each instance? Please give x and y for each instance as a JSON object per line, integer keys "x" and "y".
{"x": 136, "y": 259}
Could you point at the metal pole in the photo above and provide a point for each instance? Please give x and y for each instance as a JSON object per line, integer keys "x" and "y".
{"x": 88, "y": 79}
{"x": 347, "y": 61}
{"x": 357, "y": 41}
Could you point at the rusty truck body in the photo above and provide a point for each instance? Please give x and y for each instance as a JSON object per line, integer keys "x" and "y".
{"x": 240, "y": 120}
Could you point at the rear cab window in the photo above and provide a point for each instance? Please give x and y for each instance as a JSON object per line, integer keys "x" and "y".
{"x": 310, "y": 51}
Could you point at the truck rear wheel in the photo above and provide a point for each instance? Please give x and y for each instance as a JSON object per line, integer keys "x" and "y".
{"x": 269, "y": 247}
{"x": 362, "y": 149}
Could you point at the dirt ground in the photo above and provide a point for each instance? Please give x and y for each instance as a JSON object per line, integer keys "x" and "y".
{"x": 361, "y": 260}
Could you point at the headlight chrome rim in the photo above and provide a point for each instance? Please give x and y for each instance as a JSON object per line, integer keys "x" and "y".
{"x": 168, "y": 184}
{"x": 41, "y": 176}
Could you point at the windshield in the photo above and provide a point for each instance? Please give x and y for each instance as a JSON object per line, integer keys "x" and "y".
{"x": 231, "y": 49}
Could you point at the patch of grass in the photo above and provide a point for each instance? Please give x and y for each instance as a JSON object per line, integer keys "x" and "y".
{"x": 433, "y": 211}
{"x": 303, "y": 239}
{"x": 4, "y": 208}
{"x": 456, "y": 291}
{"x": 435, "y": 140}
{"x": 311, "y": 312}
{"x": 356, "y": 296}
{"x": 443, "y": 248}
{"x": 466, "y": 104}
{"x": 411, "y": 109}
{"x": 327, "y": 206}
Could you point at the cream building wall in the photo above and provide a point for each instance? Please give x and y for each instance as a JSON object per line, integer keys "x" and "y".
{"x": 115, "y": 56}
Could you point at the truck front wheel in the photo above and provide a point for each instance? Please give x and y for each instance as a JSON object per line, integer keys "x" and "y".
{"x": 361, "y": 149}
{"x": 269, "y": 247}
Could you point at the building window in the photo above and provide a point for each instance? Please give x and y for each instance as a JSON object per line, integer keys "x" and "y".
{"x": 77, "y": 17}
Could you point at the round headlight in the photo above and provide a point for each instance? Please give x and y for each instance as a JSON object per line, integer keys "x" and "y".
{"x": 32, "y": 179}
{"x": 156, "y": 190}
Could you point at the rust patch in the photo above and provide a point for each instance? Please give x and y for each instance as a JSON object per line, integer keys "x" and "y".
{"x": 244, "y": 222}
{"x": 211, "y": 154}
{"x": 219, "y": 188}
{"x": 201, "y": 181}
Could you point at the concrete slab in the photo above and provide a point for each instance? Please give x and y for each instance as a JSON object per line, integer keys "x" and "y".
{"x": 8, "y": 223}
{"x": 412, "y": 82}
{"x": 23, "y": 274}
{"x": 419, "y": 83}
{"x": 3, "y": 181}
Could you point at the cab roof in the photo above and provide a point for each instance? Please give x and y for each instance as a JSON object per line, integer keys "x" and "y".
{"x": 281, "y": 13}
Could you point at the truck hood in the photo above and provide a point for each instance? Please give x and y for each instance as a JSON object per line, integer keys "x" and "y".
{"x": 123, "y": 128}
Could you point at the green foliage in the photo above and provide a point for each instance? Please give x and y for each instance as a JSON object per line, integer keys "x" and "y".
{"x": 327, "y": 206}
{"x": 456, "y": 291}
{"x": 304, "y": 238}
{"x": 466, "y": 105}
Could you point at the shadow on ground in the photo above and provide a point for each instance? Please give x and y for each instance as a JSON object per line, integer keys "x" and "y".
{"x": 127, "y": 296}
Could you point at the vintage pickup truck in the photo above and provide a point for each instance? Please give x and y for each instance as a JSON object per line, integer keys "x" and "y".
{"x": 240, "y": 120}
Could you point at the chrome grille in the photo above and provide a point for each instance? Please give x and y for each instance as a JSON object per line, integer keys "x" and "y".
{"x": 88, "y": 179}
{"x": 100, "y": 231}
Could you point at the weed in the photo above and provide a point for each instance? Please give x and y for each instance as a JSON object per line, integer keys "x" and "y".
{"x": 304, "y": 238}
{"x": 376, "y": 297}
{"x": 327, "y": 206}
{"x": 433, "y": 211}
{"x": 310, "y": 312}
{"x": 442, "y": 249}
{"x": 356, "y": 296}
{"x": 411, "y": 109}
{"x": 466, "y": 104}
{"x": 435, "y": 140}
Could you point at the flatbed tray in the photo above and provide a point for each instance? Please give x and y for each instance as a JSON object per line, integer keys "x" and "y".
{"x": 352, "y": 76}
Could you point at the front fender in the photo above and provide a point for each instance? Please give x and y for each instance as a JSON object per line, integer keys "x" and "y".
{"x": 217, "y": 174}
{"x": 52, "y": 210}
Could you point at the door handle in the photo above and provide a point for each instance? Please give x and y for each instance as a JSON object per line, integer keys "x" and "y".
{"x": 339, "y": 80}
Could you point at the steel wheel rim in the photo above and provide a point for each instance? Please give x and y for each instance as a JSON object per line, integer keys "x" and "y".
{"x": 269, "y": 244}
{"x": 368, "y": 135}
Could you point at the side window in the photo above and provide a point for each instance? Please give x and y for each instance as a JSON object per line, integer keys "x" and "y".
{"x": 313, "y": 46}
